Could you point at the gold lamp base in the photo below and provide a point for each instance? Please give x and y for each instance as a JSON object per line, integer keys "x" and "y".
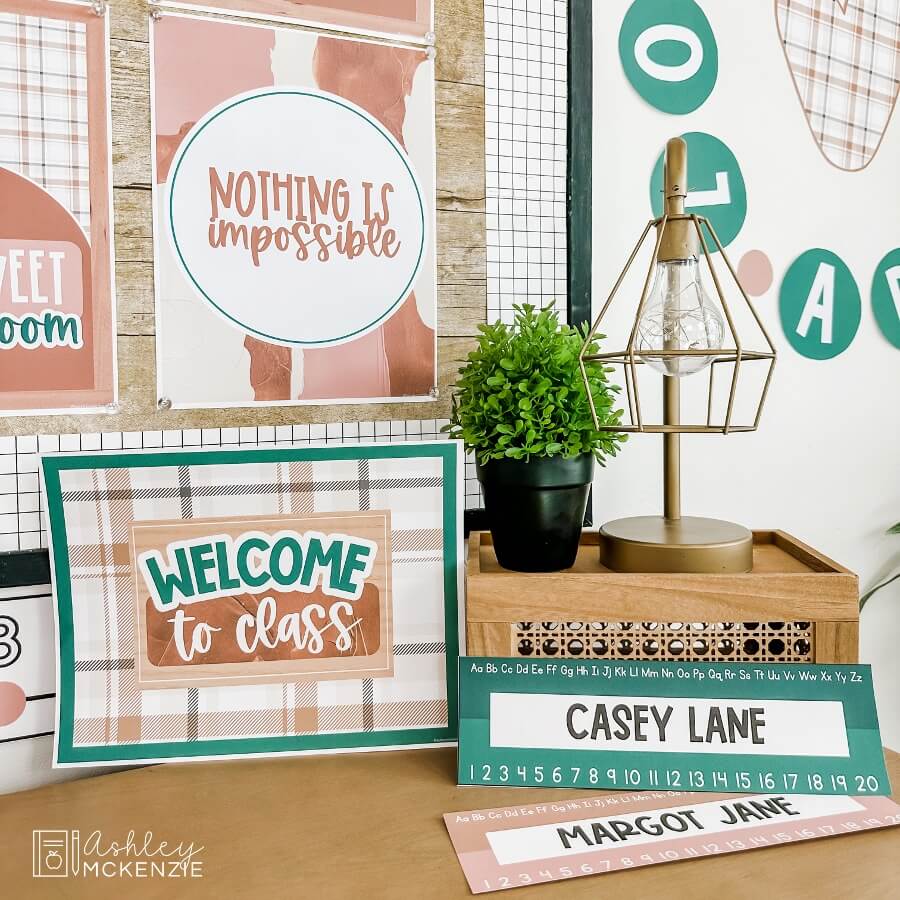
{"x": 688, "y": 544}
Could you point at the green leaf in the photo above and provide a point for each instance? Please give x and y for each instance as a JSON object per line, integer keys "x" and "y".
{"x": 521, "y": 393}
{"x": 868, "y": 594}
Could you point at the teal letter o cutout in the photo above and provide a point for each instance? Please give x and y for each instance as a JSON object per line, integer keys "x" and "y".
{"x": 669, "y": 54}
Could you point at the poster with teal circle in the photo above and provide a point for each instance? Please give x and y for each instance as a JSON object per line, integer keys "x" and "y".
{"x": 669, "y": 54}
{"x": 716, "y": 186}
{"x": 886, "y": 296}
{"x": 819, "y": 305}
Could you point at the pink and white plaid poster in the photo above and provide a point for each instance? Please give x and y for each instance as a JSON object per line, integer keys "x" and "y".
{"x": 57, "y": 332}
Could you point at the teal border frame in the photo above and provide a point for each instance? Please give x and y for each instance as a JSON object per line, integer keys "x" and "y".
{"x": 579, "y": 197}
{"x": 67, "y": 753}
{"x": 24, "y": 568}
{"x": 387, "y": 136}
{"x": 579, "y": 167}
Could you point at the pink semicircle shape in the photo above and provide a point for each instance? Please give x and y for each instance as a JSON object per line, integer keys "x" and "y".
{"x": 12, "y": 702}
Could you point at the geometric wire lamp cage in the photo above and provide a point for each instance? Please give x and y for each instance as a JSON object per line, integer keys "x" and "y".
{"x": 680, "y": 328}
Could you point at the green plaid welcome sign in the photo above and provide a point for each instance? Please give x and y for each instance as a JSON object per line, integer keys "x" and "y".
{"x": 221, "y": 603}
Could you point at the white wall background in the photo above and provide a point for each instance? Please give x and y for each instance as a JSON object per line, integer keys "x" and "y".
{"x": 825, "y": 464}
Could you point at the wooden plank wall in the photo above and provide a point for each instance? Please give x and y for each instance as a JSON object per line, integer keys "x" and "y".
{"x": 461, "y": 254}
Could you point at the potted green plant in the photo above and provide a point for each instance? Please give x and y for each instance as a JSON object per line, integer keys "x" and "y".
{"x": 520, "y": 405}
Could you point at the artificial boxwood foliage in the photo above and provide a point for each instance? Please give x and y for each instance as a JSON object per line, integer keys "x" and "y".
{"x": 521, "y": 395}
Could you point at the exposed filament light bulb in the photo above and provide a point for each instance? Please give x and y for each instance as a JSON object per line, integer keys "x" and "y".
{"x": 679, "y": 315}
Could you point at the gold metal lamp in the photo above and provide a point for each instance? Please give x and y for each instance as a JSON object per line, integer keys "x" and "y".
{"x": 678, "y": 330}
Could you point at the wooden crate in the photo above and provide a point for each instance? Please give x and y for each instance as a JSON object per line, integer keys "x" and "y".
{"x": 796, "y": 605}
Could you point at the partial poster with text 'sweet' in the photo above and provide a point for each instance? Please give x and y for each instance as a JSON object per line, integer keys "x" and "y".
{"x": 57, "y": 332}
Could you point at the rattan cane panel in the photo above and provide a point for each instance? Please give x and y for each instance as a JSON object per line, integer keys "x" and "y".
{"x": 700, "y": 641}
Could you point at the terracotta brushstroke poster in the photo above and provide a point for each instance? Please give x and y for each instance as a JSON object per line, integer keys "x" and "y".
{"x": 409, "y": 19}
{"x": 230, "y": 602}
{"x": 57, "y": 334}
{"x": 294, "y": 216}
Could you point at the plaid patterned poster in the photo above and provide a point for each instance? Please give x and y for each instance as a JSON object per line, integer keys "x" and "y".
{"x": 57, "y": 334}
{"x": 226, "y": 603}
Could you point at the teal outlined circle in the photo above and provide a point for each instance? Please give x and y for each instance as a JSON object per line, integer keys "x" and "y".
{"x": 709, "y": 158}
{"x": 797, "y": 292}
{"x": 198, "y": 129}
{"x": 884, "y": 304}
{"x": 662, "y": 29}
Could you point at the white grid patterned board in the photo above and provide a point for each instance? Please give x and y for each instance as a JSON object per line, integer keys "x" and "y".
{"x": 526, "y": 58}
{"x": 525, "y": 110}
{"x": 21, "y": 525}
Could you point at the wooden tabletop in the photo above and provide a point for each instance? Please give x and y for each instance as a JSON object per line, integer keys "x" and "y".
{"x": 370, "y": 826}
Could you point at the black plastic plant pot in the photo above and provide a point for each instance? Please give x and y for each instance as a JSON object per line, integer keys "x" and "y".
{"x": 535, "y": 509}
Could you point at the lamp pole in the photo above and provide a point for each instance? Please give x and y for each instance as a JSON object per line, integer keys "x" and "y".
{"x": 677, "y": 241}
{"x": 678, "y": 330}
{"x": 671, "y": 450}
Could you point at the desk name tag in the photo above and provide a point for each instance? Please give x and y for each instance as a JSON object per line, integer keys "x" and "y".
{"x": 515, "y": 846}
{"x": 802, "y": 729}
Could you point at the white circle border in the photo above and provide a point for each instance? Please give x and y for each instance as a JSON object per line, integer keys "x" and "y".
{"x": 236, "y": 100}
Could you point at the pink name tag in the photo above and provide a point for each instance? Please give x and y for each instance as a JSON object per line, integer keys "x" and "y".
{"x": 514, "y": 846}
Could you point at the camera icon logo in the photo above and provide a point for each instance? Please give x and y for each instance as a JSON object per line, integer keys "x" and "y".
{"x": 50, "y": 854}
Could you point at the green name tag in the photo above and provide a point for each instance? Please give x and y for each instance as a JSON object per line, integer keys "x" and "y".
{"x": 801, "y": 729}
